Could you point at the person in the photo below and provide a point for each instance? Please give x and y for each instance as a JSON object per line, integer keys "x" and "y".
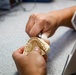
{"x": 45, "y": 23}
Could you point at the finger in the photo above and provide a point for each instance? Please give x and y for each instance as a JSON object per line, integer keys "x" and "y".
{"x": 31, "y": 22}
{"x": 18, "y": 52}
{"x": 36, "y": 29}
{"x": 45, "y": 57}
{"x": 35, "y": 51}
{"x": 49, "y": 32}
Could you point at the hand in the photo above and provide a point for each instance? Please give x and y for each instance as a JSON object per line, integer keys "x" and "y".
{"x": 46, "y": 23}
{"x": 31, "y": 64}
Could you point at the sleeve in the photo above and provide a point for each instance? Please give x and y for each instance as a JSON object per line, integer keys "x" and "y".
{"x": 73, "y": 21}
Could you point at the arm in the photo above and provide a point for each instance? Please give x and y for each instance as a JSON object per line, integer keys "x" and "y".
{"x": 66, "y": 16}
{"x": 47, "y": 23}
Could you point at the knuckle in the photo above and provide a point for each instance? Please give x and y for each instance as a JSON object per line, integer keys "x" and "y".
{"x": 14, "y": 55}
{"x": 26, "y": 30}
{"x": 32, "y": 33}
{"x": 33, "y": 15}
{"x": 42, "y": 20}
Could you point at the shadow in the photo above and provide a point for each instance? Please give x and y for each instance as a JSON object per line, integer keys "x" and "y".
{"x": 38, "y": 1}
{"x": 3, "y": 14}
{"x": 61, "y": 43}
{"x": 16, "y": 73}
{"x": 13, "y": 11}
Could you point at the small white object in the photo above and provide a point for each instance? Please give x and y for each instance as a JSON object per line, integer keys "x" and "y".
{"x": 43, "y": 36}
{"x": 40, "y": 35}
{"x": 73, "y": 21}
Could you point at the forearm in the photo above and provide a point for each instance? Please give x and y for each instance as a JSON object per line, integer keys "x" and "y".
{"x": 66, "y": 15}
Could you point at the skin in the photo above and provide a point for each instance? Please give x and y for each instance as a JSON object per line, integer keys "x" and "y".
{"x": 47, "y": 23}
{"x": 44, "y": 23}
{"x": 32, "y": 64}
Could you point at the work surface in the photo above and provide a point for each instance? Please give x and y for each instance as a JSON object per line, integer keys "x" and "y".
{"x": 13, "y": 36}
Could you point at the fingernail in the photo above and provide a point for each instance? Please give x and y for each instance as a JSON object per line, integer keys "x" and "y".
{"x": 36, "y": 48}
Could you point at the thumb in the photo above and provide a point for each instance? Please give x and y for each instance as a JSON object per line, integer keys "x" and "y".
{"x": 37, "y": 49}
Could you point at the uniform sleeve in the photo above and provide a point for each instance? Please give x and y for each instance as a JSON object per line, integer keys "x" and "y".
{"x": 73, "y": 21}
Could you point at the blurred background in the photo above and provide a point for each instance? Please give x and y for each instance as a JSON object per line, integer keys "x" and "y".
{"x": 7, "y": 4}
{"x": 14, "y": 15}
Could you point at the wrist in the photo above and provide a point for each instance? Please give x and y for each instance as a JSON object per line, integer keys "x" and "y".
{"x": 65, "y": 16}
{"x": 56, "y": 16}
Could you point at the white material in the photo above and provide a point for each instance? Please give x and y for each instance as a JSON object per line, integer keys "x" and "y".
{"x": 44, "y": 36}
